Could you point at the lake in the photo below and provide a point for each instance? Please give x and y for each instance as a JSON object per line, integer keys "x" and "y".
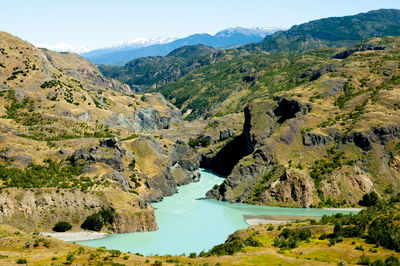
{"x": 187, "y": 224}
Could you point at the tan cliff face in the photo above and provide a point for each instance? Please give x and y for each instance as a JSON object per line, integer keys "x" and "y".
{"x": 42, "y": 208}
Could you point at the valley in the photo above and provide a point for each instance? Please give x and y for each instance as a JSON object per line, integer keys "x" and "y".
{"x": 178, "y": 154}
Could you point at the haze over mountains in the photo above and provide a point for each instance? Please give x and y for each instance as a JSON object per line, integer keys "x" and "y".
{"x": 120, "y": 55}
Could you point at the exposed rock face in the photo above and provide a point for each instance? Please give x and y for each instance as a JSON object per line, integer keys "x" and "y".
{"x": 185, "y": 164}
{"x": 292, "y": 188}
{"x": 359, "y": 140}
{"x": 313, "y": 74}
{"x": 163, "y": 171}
{"x": 314, "y": 139}
{"x": 41, "y": 209}
{"x": 334, "y": 87}
{"x": 248, "y": 159}
{"x": 226, "y": 134}
{"x": 117, "y": 176}
{"x": 288, "y": 108}
{"x": 364, "y": 47}
{"x": 109, "y": 152}
{"x": 243, "y": 178}
{"x": 260, "y": 119}
{"x": 148, "y": 119}
{"x": 18, "y": 157}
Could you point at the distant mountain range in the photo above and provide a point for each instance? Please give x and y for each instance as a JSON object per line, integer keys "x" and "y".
{"x": 119, "y": 55}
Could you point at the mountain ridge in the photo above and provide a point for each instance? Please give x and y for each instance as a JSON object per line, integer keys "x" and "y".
{"x": 225, "y": 38}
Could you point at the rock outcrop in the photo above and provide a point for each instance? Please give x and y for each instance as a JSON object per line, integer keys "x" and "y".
{"x": 40, "y": 209}
{"x": 292, "y": 188}
{"x": 247, "y": 159}
{"x": 109, "y": 152}
{"x": 364, "y": 47}
{"x": 314, "y": 139}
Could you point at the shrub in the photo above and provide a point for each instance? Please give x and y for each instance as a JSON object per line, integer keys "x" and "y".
{"x": 289, "y": 239}
{"x": 369, "y": 199}
{"x": 93, "y": 222}
{"x": 132, "y": 164}
{"x": 193, "y": 255}
{"x": 21, "y": 261}
{"x": 96, "y": 221}
{"x": 364, "y": 260}
{"x": 199, "y": 141}
{"x": 115, "y": 252}
{"x": 62, "y": 227}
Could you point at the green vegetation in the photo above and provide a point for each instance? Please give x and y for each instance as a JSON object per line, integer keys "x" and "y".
{"x": 378, "y": 224}
{"x": 62, "y": 227}
{"x": 370, "y": 199}
{"x": 21, "y": 261}
{"x": 255, "y": 194}
{"x": 289, "y": 239}
{"x": 260, "y": 74}
{"x": 144, "y": 72}
{"x": 51, "y": 174}
{"x": 331, "y": 32}
{"x": 235, "y": 244}
{"x": 51, "y": 84}
{"x": 96, "y": 221}
{"x": 199, "y": 141}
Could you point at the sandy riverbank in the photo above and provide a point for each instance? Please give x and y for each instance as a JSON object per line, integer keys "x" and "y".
{"x": 275, "y": 219}
{"x": 76, "y": 236}
{"x": 279, "y": 219}
{"x": 344, "y": 209}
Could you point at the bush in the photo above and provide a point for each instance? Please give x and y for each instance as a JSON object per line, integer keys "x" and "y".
{"x": 62, "y": 227}
{"x": 93, "y": 222}
{"x": 96, "y": 221}
{"x": 289, "y": 239}
{"x": 370, "y": 199}
{"x": 21, "y": 261}
{"x": 199, "y": 141}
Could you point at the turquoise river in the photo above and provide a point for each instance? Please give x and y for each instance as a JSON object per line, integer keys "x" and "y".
{"x": 187, "y": 224}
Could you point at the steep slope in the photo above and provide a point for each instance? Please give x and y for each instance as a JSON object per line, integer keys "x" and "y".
{"x": 236, "y": 78}
{"x": 332, "y": 32}
{"x": 326, "y": 142}
{"x": 153, "y": 72}
{"x": 61, "y": 154}
{"x": 225, "y": 38}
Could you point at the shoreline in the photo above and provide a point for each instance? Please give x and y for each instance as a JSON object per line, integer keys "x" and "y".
{"x": 281, "y": 219}
{"x": 275, "y": 219}
{"x": 76, "y": 236}
{"x": 344, "y": 209}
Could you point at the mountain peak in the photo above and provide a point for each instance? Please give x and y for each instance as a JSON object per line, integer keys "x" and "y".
{"x": 260, "y": 31}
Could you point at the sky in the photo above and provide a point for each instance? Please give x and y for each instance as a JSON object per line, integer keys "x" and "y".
{"x": 90, "y": 24}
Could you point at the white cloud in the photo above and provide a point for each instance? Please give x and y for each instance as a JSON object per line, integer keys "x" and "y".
{"x": 65, "y": 47}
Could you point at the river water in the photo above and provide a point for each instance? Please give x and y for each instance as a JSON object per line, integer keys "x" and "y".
{"x": 189, "y": 225}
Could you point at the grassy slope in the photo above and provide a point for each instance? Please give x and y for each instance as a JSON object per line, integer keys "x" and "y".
{"x": 155, "y": 71}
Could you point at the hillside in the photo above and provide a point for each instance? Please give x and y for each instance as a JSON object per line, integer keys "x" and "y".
{"x": 329, "y": 33}
{"x": 152, "y": 72}
{"x": 332, "y": 32}
{"x": 225, "y": 38}
{"x": 325, "y": 142}
{"x": 74, "y": 142}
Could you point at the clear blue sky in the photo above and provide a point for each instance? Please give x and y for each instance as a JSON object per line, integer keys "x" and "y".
{"x": 99, "y": 23}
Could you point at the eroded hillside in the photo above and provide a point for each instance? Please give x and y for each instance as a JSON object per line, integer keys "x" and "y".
{"x": 61, "y": 152}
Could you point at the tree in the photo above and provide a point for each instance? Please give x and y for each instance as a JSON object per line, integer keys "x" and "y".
{"x": 62, "y": 227}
